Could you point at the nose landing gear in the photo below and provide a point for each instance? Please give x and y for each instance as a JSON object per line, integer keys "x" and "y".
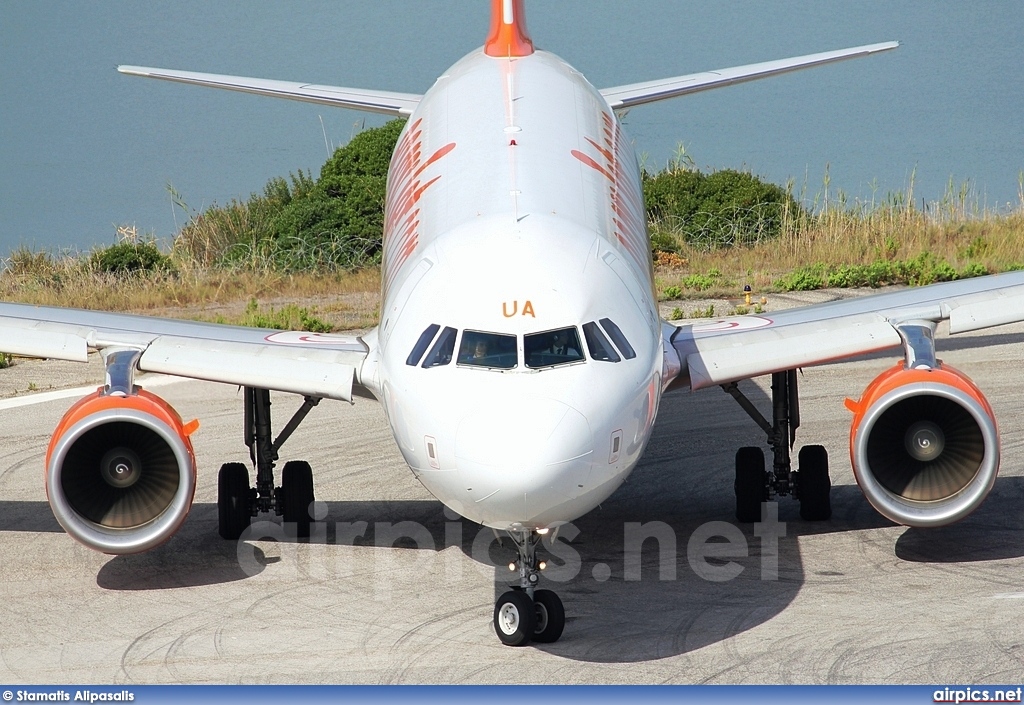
{"x": 525, "y": 613}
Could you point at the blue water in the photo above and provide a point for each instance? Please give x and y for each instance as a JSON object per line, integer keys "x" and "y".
{"x": 83, "y": 148}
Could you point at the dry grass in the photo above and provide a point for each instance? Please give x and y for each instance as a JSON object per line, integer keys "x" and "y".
{"x": 950, "y": 231}
{"x": 345, "y": 299}
{"x": 836, "y": 237}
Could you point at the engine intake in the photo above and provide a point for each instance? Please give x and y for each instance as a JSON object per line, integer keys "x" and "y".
{"x": 120, "y": 472}
{"x": 924, "y": 445}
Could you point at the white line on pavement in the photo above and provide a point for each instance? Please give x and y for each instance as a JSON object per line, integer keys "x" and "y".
{"x": 146, "y": 382}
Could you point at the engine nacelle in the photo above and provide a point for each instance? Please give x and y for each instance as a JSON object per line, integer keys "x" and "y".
{"x": 120, "y": 472}
{"x": 924, "y": 445}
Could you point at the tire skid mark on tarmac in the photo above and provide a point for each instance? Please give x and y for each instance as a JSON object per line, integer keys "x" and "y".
{"x": 849, "y": 665}
{"x": 21, "y": 460}
{"x": 430, "y": 641}
{"x": 738, "y": 661}
{"x": 1014, "y": 655}
{"x": 170, "y": 660}
{"x": 131, "y": 660}
{"x": 137, "y": 642}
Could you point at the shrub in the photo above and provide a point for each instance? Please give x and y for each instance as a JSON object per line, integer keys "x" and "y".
{"x": 339, "y": 222}
{"x": 920, "y": 270}
{"x": 333, "y": 222}
{"x": 802, "y": 279}
{"x": 662, "y": 241}
{"x": 702, "y": 282}
{"x": 130, "y": 257}
{"x": 720, "y": 209}
{"x": 290, "y": 317}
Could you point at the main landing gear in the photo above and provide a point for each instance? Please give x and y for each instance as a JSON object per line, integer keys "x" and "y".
{"x": 237, "y": 502}
{"x": 810, "y": 483}
{"x": 526, "y": 613}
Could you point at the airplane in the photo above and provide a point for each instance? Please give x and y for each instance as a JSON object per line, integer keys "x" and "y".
{"x": 520, "y": 359}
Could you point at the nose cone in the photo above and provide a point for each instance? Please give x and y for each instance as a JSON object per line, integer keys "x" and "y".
{"x": 521, "y": 460}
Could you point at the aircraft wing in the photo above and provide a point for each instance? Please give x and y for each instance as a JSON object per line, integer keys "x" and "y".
{"x": 388, "y": 103}
{"x": 314, "y": 364}
{"x": 739, "y": 347}
{"x": 622, "y": 97}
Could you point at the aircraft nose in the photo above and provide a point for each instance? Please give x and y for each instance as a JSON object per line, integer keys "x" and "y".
{"x": 519, "y": 459}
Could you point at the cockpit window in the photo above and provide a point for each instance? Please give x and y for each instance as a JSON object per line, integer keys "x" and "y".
{"x": 421, "y": 345}
{"x": 553, "y": 347}
{"x": 618, "y": 338}
{"x": 597, "y": 343}
{"x": 488, "y": 350}
{"x": 441, "y": 353}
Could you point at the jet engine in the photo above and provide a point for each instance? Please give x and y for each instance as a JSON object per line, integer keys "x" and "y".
{"x": 120, "y": 471}
{"x": 924, "y": 445}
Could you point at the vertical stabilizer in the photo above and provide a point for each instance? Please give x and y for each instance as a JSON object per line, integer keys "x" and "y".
{"x": 508, "y": 36}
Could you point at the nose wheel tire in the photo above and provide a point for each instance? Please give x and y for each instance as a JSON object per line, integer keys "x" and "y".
{"x": 515, "y": 618}
{"x": 751, "y": 484}
{"x": 233, "y": 511}
{"x": 815, "y": 485}
{"x": 297, "y": 486}
{"x": 549, "y": 617}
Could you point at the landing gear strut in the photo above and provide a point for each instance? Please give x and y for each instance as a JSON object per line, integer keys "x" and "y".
{"x": 237, "y": 502}
{"x": 810, "y": 484}
{"x": 526, "y": 613}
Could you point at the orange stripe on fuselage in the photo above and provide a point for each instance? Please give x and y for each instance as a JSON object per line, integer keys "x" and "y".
{"x": 405, "y": 189}
{"x": 627, "y": 210}
{"x": 589, "y": 161}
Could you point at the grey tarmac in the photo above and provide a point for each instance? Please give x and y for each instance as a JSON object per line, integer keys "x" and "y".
{"x": 857, "y": 599}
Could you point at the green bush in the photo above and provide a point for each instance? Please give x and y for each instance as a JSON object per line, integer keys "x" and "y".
{"x": 290, "y": 317}
{"x": 803, "y": 279}
{"x": 920, "y": 270}
{"x": 339, "y": 222}
{"x": 714, "y": 210}
{"x": 333, "y": 222}
{"x": 702, "y": 282}
{"x": 663, "y": 241}
{"x": 131, "y": 257}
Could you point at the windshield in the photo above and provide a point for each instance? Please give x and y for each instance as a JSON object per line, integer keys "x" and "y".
{"x": 553, "y": 347}
{"x": 618, "y": 338}
{"x": 597, "y": 343}
{"x": 421, "y": 345}
{"x": 441, "y": 353}
{"x": 488, "y": 350}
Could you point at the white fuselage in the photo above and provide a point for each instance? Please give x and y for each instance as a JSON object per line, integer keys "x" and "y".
{"x": 514, "y": 207}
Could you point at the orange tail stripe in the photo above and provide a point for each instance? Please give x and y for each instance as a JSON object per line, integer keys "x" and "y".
{"x": 508, "y": 36}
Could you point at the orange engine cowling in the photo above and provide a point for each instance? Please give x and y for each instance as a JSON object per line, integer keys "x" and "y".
{"x": 120, "y": 472}
{"x": 924, "y": 445}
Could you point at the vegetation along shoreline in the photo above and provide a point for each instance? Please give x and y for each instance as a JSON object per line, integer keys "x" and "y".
{"x": 305, "y": 253}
